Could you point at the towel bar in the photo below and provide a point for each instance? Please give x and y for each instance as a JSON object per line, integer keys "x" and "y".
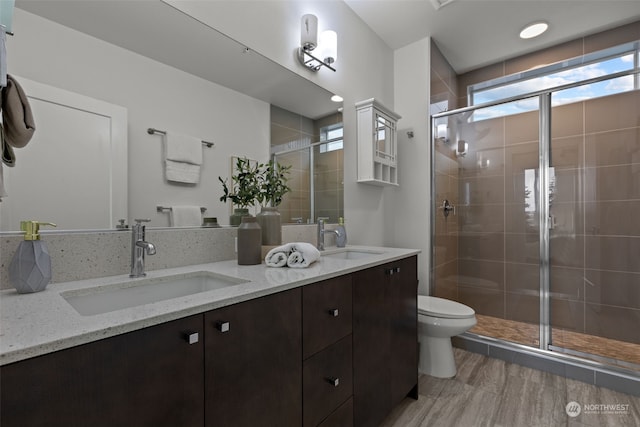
{"x": 166, "y": 208}
{"x": 152, "y": 131}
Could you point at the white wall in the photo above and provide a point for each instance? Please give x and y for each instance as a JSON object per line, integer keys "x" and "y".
{"x": 364, "y": 70}
{"x": 407, "y": 218}
{"x": 155, "y": 95}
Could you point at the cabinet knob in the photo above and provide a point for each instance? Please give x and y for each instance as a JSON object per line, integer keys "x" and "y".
{"x": 192, "y": 337}
{"x": 392, "y": 271}
{"x": 333, "y": 381}
{"x": 223, "y": 326}
{"x": 333, "y": 312}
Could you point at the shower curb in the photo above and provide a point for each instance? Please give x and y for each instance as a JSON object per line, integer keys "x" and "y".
{"x": 618, "y": 379}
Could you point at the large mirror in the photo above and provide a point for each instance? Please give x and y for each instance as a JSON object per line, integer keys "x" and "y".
{"x": 168, "y": 71}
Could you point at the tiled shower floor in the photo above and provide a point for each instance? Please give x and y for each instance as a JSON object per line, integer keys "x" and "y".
{"x": 528, "y": 334}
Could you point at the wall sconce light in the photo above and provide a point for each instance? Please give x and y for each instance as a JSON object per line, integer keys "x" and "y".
{"x": 327, "y": 50}
{"x": 462, "y": 148}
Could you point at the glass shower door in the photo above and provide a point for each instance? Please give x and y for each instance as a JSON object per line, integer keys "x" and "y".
{"x": 486, "y": 217}
{"x": 595, "y": 226}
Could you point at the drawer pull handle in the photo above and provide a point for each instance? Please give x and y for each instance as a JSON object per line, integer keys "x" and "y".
{"x": 392, "y": 271}
{"x": 223, "y": 326}
{"x": 333, "y": 381}
{"x": 192, "y": 337}
{"x": 334, "y": 312}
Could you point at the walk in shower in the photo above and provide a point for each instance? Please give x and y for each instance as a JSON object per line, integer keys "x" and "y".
{"x": 536, "y": 217}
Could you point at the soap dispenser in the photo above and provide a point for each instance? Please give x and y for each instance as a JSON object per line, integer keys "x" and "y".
{"x": 30, "y": 268}
{"x": 341, "y": 234}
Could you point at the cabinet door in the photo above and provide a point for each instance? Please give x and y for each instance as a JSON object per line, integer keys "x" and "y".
{"x": 371, "y": 347}
{"x": 404, "y": 329}
{"x": 385, "y": 339}
{"x": 253, "y": 362}
{"x": 326, "y": 313}
{"x": 152, "y": 377}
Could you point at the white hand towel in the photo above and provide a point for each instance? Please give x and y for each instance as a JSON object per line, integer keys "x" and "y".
{"x": 183, "y": 158}
{"x": 184, "y": 148}
{"x": 186, "y": 216}
{"x": 302, "y": 255}
{"x": 277, "y": 257}
{"x": 182, "y": 172}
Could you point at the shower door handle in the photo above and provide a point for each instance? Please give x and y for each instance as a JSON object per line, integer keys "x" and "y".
{"x": 447, "y": 207}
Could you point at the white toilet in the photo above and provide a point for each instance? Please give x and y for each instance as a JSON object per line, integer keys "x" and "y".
{"x": 438, "y": 320}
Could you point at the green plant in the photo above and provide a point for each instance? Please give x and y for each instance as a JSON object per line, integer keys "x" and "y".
{"x": 273, "y": 183}
{"x": 245, "y": 184}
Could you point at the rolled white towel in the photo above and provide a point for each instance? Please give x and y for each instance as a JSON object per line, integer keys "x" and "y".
{"x": 277, "y": 257}
{"x": 302, "y": 255}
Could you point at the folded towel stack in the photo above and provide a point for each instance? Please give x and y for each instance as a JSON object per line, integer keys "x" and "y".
{"x": 183, "y": 158}
{"x": 294, "y": 255}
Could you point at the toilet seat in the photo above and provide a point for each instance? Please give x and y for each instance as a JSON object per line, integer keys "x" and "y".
{"x": 444, "y": 308}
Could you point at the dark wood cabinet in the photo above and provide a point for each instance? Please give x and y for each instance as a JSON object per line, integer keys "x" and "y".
{"x": 327, "y": 352}
{"x": 253, "y": 366}
{"x": 152, "y": 377}
{"x": 335, "y": 353}
{"x": 385, "y": 340}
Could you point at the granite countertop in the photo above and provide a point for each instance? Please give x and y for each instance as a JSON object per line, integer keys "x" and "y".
{"x": 43, "y": 322}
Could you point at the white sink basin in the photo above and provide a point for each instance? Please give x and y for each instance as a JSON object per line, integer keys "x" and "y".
{"x": 351, "y": 254}
{"x": 104, "y": 299}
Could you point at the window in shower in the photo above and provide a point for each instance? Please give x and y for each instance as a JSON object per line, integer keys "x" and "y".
{"x": 602, "y": 63}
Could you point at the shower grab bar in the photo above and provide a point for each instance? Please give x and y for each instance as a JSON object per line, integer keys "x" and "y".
{"x": 152, "y": 131}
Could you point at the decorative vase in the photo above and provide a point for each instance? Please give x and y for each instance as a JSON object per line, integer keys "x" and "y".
{"x": 249, "y": 241}
{"x": 270, "y": 223}
{"x": 236, "y": 218}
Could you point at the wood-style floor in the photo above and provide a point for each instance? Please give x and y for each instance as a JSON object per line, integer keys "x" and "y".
{"x": 528, "y": 334}
{"x": 492, "y": 392}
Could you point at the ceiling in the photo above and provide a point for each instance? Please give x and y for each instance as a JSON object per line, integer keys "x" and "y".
{"x": 474, "y": 33}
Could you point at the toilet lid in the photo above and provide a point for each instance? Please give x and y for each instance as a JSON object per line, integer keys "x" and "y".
{"x": 440, "y": 307}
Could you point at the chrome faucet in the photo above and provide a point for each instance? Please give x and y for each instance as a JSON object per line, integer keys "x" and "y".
{"x": 322, "y": 232}
{"x": 138, "y": 248}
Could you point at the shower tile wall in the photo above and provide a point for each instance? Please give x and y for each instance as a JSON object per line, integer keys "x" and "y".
{"x": 444, "y": 97}
{"x": 595, "y": 243}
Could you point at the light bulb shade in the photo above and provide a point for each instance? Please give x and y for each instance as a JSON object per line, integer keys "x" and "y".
{"x": 309, "y": 32}
{"x": 329, "y": 46}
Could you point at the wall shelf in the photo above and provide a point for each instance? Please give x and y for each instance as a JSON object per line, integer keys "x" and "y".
{"x": 377, "y": 143}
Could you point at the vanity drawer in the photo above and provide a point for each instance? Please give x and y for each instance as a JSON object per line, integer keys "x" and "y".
{"x": 326, "y": 313}
{"x": 341, "y": 417}
{"x": 327, "y": 381}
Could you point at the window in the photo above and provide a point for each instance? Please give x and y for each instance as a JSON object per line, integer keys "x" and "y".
{"x": 331, "y": 138}
{"x": 606, "y": 62}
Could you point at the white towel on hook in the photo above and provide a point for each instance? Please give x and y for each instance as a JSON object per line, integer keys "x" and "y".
{"x": 183, "y": 158}
{"x": 186, "y": 216}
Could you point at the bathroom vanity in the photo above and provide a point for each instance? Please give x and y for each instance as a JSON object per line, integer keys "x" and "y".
{"x": 331, "y": 345}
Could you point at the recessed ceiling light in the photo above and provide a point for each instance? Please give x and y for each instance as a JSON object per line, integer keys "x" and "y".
{"x": 336, "y": 98}
{"x": 533, "y": 30}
